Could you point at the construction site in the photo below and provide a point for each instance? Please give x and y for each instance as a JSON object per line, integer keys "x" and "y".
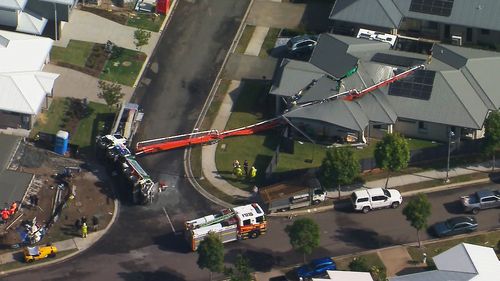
{"x": 52, "y": 192}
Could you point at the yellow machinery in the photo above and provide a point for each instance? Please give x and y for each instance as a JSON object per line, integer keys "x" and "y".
{"x": 35, "y": 253}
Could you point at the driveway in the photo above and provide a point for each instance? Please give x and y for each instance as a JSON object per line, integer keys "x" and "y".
{"x": 85, "y": 26}
{"x": 76, "y": 84}
{"x": 275, "y": 14}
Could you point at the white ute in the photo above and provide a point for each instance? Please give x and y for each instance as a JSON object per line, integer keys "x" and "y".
{"x": 375, "y": 198}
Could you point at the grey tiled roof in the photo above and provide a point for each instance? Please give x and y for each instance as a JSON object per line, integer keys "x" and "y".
{"x": 388, "y": 13}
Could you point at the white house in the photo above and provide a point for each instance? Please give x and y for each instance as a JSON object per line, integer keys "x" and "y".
{"x": 464, "y": 262}
{"x": 24, "y": 87}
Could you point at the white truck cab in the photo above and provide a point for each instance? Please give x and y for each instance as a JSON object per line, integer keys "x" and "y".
{"x": 368, "y": 199}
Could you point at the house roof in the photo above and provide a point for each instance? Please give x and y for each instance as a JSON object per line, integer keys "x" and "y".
{"x": 293, "y": 76}
{"x": 388, "y": 13}
{"x": 24, "y": 92}
{"x": 23, "y": 86}
{"x": 23, "y": 52}
{"x": 382, "y": 13}
{"x": 325, "y": 57}
{"x": 341, "y": 113}
{"x": 30, "y": 22}
{"x": 462, "y": 90}
{"x": 13, "y": 4}
{"x": 464, "y": 262}
{"x": 338, "y": 275}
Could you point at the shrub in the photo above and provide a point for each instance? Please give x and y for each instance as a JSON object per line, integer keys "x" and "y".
{"x": 359, "y": 264}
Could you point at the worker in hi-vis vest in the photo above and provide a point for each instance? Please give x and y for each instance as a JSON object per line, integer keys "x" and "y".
{"x": 253, "y": 172}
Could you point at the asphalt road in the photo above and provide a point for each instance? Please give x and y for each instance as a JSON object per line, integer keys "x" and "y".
{"x": 141, "y": 245}
{"x": 171, "y": 93}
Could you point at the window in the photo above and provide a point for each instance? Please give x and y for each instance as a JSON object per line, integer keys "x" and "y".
{"x": 489, "y": 199}
{"x": 363, "y": 200}
{"x": 247, "y": 222}
{"x": 469, "y": 35}
{"x": 422, "y": 125}
{"x": 379, "y": 198}
{"x": 485, "y": 31}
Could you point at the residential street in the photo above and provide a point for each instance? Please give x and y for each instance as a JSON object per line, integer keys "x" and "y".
{"x": 146, "y": 242}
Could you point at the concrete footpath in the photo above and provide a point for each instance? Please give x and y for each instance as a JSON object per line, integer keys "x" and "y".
{"x": 77, "y": 244}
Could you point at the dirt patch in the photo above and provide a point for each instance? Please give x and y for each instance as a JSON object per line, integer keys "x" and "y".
{"x": 93, "y": 196}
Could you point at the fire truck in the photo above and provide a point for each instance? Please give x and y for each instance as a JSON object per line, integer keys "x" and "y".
{"x": 231, "y": 224}
{"x": 139, "y": 185}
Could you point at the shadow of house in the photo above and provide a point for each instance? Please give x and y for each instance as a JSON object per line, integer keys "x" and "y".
{"x": 315, "y": 17}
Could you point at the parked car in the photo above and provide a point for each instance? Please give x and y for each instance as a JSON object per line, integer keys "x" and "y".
{"x": 454, "y": 226}
{"x": 315, "y": 268}
{"x": 368, "y": 199}
{"x": 301, "y": 44}
{"x": 35, "y": 253}
{"x": 483, "y": 199}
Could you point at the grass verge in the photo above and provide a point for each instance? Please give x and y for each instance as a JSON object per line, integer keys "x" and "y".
{"x": 124, "y": 67}
{"x": 219, "y": 96}
{"x": 76, "y": 53}
{"x": 20, "y": 263}
{"x": 269, "y": 42}
{"x": 244, "y": 39}
{"x": 372, "y": 261}
{"x": 489, "y": 239}
{"x": 146, "y": 21}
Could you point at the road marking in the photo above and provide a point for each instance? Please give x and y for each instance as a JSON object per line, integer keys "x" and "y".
{"x": 168, "y": 218}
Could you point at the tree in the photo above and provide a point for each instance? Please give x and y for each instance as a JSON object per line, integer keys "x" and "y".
{"x": 110, "y": 92}
{"x": 417, "y": 212}
{"x": 339, "y": 167}
{"x": 304, "y": 235}
{"x": 211, "y": 254}
{"x": 141, "y": 38}
{"x": 392, "y": 154}
{"x": 492, "y": 135}
{"x": 241, "y": 271}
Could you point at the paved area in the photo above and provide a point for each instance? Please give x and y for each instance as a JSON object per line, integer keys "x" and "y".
{"x": 275, "y": 14}
{"x": 208, "y": 151}
{"x": 239, "y": 67}
{"x": 395, "y": 259}
{"x": 86, "y": 26}
{"x": 255, "y": 44}
{"x": 13, "y": 184}
{"x": 75, "y": 84}
{"x": 433, "y": 175}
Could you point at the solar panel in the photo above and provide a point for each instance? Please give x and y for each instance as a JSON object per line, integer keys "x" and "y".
{"x": 396, "y": 60}
{"x": 416, "y": 86}
{"x": 432, "y": 7}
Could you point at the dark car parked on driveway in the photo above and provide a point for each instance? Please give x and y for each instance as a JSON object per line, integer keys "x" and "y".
{"x": 315, "y": 268}
{"x": 454, "y": 226}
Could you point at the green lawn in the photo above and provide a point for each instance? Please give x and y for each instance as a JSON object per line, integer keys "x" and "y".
{"x": 489, "y": 239}
{"x": 97, "y": 123}
{"x": 75, "y": 53}
{"x": 244, "y": 39}
{"x": 146, "y": 21}
{"x": 269, "y": 41}
{"x": 124, "y": 68}
{"x": 52, "y": 120}
{"x": 82, "y": 131}
{"x": 254, "y": 105}
{"x": 372, "y": 260}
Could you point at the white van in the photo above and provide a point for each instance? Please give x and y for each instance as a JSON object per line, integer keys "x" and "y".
{"x": 368, "y": 199}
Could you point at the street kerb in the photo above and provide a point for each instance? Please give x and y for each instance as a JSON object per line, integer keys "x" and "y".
{"x": 162, "y": 28}
{"x": 99, "y": 234}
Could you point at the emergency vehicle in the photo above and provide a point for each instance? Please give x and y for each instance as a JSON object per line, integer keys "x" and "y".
{"x": 231, "y": 224}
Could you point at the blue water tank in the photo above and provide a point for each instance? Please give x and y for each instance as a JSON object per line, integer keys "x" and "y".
{"x": 62, "y": 140}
